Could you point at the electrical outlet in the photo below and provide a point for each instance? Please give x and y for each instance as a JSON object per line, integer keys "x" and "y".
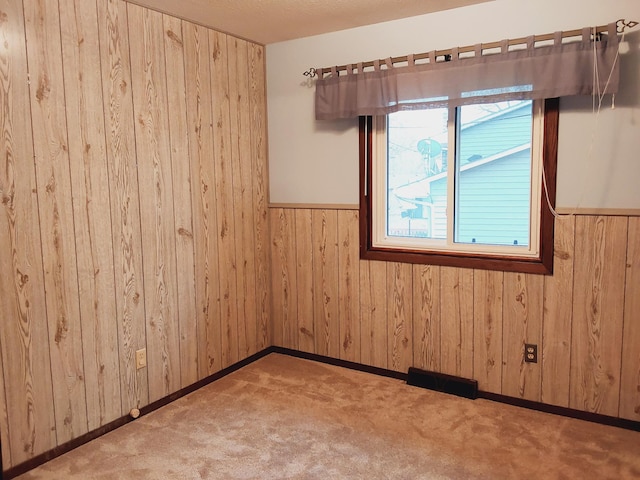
{"x": 530, "y": 353}
{"x": 141, "y": 358}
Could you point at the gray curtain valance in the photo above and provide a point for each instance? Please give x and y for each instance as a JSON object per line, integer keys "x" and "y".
{"x": 529, "y": 72}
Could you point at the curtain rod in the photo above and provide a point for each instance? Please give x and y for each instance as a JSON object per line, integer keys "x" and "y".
{"x": 621, "y": 26}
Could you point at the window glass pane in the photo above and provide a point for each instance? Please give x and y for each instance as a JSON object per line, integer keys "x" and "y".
{"x": 493, "y": 178}
{"x": 416, "y": 173}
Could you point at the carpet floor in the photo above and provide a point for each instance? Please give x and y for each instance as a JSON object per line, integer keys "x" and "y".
{"x": 287, "y": 418}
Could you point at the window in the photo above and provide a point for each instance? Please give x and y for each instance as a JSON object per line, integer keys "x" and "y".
{"x": 461, "y": 186}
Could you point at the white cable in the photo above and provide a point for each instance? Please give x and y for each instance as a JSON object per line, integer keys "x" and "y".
{"x": 600, "y": 96}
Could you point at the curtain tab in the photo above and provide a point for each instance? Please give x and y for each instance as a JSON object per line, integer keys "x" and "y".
{"x": 350, "y": 69}
{"x": 531, "y": 42}
{"x": 411, "y": 60}
{"x": 432, "y": 57}
{"x": 455, "y": 54}
{"x": 587, "y": 35}
{"x": 557, "y": 39}
{"x": 478, "y": 50}
{"x": 334, "y": 71}
{"x": 613, "y": 29}
{"x": 359, "y": 67}
{"x": 504, "y": 46}
{"x": 376, "y": 65}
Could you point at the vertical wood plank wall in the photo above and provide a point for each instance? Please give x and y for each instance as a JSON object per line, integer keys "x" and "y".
{"x": 585, "y": 318}
{"x": 133, "y": 215}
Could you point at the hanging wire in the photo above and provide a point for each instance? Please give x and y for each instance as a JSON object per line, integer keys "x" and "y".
{"x": 597, "y": 98}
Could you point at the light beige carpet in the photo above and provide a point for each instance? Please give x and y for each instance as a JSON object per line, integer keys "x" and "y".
{"x": 284, "y": 418}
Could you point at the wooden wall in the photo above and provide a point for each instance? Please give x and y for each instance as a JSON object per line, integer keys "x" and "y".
{"x": 133, "y": 214}
{"x": 585, "y": 318}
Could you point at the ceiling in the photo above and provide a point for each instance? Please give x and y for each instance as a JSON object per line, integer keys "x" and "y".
{"x": 270, "y": 21}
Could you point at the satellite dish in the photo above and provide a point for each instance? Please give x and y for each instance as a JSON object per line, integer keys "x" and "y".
{"x": 429, "y": 147}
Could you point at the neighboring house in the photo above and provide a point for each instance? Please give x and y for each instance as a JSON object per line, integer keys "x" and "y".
{"x": 493, "y": 191}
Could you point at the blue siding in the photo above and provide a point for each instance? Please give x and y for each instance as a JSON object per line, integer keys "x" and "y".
{"x": 493, "y": 203}
{"x": 493, "y": 136}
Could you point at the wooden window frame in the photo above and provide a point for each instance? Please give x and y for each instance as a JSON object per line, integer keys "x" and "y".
{"x": 540, "y": 264}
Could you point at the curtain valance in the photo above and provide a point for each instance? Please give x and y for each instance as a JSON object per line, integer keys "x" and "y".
{"x": 530, "y": 71}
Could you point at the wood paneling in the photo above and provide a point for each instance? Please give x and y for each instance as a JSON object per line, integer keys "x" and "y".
{"x": 91, "y": 206}
{"x": 373, "y": 313}
{"x": 400, "y": 324}
{"x": 283, "y": 268}
{"x": 149, "y": 85}
{"x": 5, "y": 454}
{"x": 487, "y": 329}
{"x": 55, "y": 209}
{"x": 598, "y": 309}
{"x": 200, "y": 134}
{"x": 326, "y": 326}
{"x": 522, "y": 323}
{"x": 556, "y": 328}
{"x": 133, "y": 187}
{"x": 240, "y": 122}
{"x": 29, "y": 422}
{"x": 224, "y": 197}
{"x": 426, "y": 317}
{"x": 348, "y": 285}
{"x": 474, "y": 323}
{"x": 258, "y": 134}
{"x": 182, "y": 211}
{"x": 456, "y": 324}
{"x": 125, "y": 207}
{"x": 630, "y": 379}
{"x": 304, "y": 278}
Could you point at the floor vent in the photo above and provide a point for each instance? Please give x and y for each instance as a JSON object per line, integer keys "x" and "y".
{"x": 462, "y": 387}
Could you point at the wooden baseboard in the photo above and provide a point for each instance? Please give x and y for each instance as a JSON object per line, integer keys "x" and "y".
{"x": 563, "y": 411}
{"x": 341, "y": 363}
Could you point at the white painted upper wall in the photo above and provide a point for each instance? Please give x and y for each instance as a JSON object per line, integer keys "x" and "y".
{"x": 317, "y": 161}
